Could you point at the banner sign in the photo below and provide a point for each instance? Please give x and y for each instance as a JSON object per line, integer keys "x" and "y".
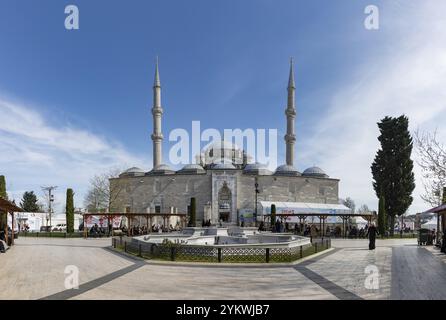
{"x": 102, "y": 221}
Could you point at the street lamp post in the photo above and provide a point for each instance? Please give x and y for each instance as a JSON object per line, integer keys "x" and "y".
{"x": 257, "y": 192}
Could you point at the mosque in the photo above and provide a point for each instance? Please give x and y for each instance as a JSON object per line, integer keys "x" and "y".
{"x": 227, "y": 187}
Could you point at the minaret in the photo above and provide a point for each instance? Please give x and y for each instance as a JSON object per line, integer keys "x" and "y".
{"x": 157, "y": 112}
{"x": 290, "y": 112}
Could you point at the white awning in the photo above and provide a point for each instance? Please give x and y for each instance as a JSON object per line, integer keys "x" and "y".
{"x": 303, "y": 208}
{"x": 431, "y": 224}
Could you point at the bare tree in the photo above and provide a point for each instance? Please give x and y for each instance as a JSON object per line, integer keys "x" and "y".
{"x": 432, "y": 160}
{"x": 363, "y": 209}
{"x": 102, "y": 195}
{"x": 349, "y": 203}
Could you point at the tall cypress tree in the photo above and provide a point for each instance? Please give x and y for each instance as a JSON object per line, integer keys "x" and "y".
{"x": 382, "y": 219}
{"x": 4, "y": 195}
{"x": 69, "y": 211}
{"x": 29, "y": 202}
{"x": 392, "y": 168}
{"x": 193, "y": 214}
{"x": 273, "y": 216}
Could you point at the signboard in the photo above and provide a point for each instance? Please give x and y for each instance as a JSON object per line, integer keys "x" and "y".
{"x": 308, "y": 220}
{"x": 246, "y": 215}
{"x": 102, "y": 221}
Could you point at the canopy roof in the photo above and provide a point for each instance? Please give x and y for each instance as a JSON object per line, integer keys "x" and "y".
{"x": 305, "y": 208}
{"x": 431, "y": 222}
{"x": 6, "y": 205}
{"x": 437, "y": 209}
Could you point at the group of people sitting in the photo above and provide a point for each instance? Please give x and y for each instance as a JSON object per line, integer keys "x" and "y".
{"x": 206, "y": 223}
{"x": 138, "y": 230}
{"x": 96, "y": 231}
{"x": 278, "y": 226}
{"x": 312, "y": 230}
{"x": 157, "y": 228}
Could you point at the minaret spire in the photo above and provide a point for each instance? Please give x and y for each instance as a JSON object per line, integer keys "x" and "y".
{"x": 291, "y": 83}
{"x": 290, "y": 112}
{"x": 157, "y": 81}
{"x": 157, "y": 112}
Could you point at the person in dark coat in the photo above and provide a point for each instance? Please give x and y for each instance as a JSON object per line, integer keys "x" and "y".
{"x": 443, "y": 243}
{"x": 371, "y": 233}
{"x": 277, "y": 226}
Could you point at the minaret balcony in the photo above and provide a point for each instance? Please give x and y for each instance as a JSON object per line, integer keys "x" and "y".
{"x": 157, "y": 111}
{"x": 290, "y": 138}
{"x": 157, "y": 137}
{"x": 290, "y": 112}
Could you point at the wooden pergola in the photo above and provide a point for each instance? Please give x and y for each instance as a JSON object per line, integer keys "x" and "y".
{"x": 147, "y": 216}
{"x": 5, "y": 208}
{"x": 323, "y": 216}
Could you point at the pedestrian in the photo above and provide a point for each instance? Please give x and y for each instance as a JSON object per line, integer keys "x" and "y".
{"x": 443, "y": 243}
{"x": 313, "y": 231}
{"x": 371, "y": 233}
{"x": 261, "y": 226}
{"x": 277, "y": 226}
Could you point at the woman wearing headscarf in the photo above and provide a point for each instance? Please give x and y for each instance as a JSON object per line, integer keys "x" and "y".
{"x": 371, "y": 233}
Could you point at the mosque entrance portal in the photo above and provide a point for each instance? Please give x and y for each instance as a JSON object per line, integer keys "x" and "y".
{"x": 224, "y": 203}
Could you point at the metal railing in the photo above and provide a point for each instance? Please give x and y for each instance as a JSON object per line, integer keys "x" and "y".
{"x": 217, "y": 254}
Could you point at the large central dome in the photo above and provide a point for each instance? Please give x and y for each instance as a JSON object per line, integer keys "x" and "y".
{"x": 222, "y": 152}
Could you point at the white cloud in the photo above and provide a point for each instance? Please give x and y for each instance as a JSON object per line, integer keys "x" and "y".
{"x": 35, "y": 153}
{"x": 409, "y": 80}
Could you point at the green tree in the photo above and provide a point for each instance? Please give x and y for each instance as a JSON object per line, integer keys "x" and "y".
{"x": 273, "y": 215}
{"x": 392, "y": 168}
{"x": 3, "y": 193}
{"x": 29, "y": 202}
{"x": 382, "y": 216}
{"x": 193, "y": 213}
{"x": 444, "y": 196}
{"x": 69, "y": 211}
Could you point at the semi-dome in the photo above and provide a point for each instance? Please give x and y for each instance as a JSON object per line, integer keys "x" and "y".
{"x": 256, "y": 169}
{"x": 132, "y": 172}
{"x": 223, "y": 144}
{"x": 315, "y": 172}
{"x": 219, "y": 151}
{"x": 192, "y": 169}
{"x": 286, "y": 170}
{"x": 223, "y": 165}
{"x": 162, "y": 169}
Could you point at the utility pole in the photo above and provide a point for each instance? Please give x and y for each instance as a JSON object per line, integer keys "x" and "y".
{"x": 50, "y": 201}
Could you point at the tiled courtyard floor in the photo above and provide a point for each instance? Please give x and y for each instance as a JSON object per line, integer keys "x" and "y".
{"x": 34, "y": 269}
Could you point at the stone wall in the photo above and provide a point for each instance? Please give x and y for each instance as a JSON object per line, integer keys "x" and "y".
{"x": 142, "y": 193}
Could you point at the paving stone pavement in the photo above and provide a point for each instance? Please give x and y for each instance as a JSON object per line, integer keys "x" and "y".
{"x": 417, "y": 275}
{"x": 38, "y": 266}
{"x": 35, "y": 267}
{"x": 165, "y": 282}
{"x": 347, "y": 269}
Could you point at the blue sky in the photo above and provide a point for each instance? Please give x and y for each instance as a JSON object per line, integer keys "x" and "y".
{"x": 78, "y": 102}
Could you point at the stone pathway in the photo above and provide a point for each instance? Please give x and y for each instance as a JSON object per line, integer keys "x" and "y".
{"x": 417, "y": 275}
{"x": 404, "y": 271}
